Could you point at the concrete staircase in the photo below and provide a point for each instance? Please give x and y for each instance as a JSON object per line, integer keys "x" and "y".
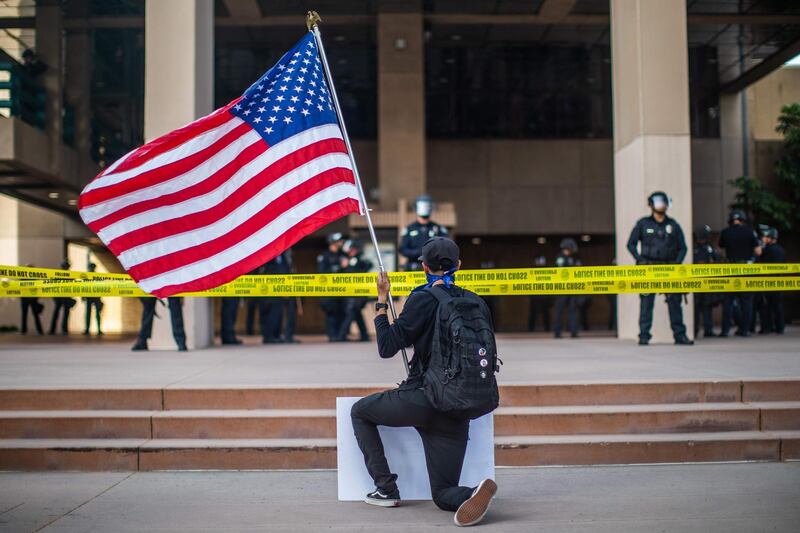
{"x": 279, "y": 428}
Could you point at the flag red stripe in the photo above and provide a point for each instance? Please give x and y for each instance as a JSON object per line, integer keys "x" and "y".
{"x": 166, "y": 172}
{"x": 209, "y": 184}
{"x": 307, "y": 226}
{"x": 253, "y": 186}
{"x": 173, "y": 139}
{"x": 270, "y": 212}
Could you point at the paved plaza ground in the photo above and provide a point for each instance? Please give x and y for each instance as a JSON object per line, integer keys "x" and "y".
{"x": 729, "y": 498}
{"x": 76, "y": 362}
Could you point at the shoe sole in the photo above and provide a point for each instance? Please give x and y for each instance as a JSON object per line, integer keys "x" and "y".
{"x": 382, "y": 503}
{"x": 474, "y": 509}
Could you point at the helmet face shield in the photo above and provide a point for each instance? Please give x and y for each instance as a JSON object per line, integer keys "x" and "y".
{"x": 660, "y": 203}
{"x": 424, "y": 208}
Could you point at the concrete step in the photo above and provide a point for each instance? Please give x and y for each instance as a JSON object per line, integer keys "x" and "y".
{"x": 319, "y": 397}
{"x": 321, "y": 423}
{"x": 239, "y": 454}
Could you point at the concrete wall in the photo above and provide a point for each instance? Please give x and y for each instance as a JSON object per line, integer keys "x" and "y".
{"x": 765, "y": 99}
{"x": 550, "y": 187}
{"x": 28, "y": 235}
{"x": 524, "y": 187}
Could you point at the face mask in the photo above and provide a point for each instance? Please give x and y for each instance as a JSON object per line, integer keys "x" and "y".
{"x": 448, "y": 278}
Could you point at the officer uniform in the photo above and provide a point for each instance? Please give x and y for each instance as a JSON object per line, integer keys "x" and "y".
{"x": 566, "y": 302}
{"x": 329, "y": 262}
{"x": 356, "y": 264}
{"x": 773, "y": 319}
{"x": 230, "y": 308}
{"x": 36, "y": 310}
{"x": 61, "y": 304}
{"x": 704, "y": 303}
{"x": 175, "y": 305}
{"x": 661, "y": 243}
{"x": 414, "y": 236}
{"x": 270, "y": 310}
{"x": 739, "y": 242}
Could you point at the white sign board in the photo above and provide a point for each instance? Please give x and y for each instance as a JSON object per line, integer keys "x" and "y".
{"x": 403, "y": 448}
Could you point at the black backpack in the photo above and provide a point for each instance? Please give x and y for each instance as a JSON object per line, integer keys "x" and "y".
{"x": 459, "y": 380}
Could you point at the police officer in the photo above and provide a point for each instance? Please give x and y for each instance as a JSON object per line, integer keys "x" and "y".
{"x": 61, "y": 304}
{"x": 175, "y": 305}
{"x": 93, "y": 303}
{"x": 418, "y": 232}
{"x": 353, "y": 262}
{"x": 539, "y": 305}
{"x": 773, "y": 252}
{"x": 662, "y": 242}
{"x": 568, "y": 302}
{"x": 741, "y": 245}
{"x": 704, "y": 252}
{"x": 329, "y": 262}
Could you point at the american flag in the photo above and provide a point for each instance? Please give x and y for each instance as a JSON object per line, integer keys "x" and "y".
{"x": 223, "y": 195}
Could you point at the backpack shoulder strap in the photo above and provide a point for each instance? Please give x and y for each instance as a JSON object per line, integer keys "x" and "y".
{"x": 441, "y": 296}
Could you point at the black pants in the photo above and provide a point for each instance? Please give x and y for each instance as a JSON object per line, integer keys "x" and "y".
{"x": 352, "y": 313}
{"x": 444, "y": 440}
{"x": 250, "y": 318}
{"x": 62, "y": 306}
{"x": 773, "y": 313}
{"x": 290, "y": 306}
{"x": 270, "y": 314}
{"x": 702, "y": 314}
{"x": 569, "y": 304}
{"x": 97, "y": 305}
{"x": 737, "y": 308}
{"x": 33, "y": 305}
{"x": 539, "y": 305}
{"x": 675, "y": 315}
{"x": 230, "y": 308}
{"x": 175, "y": 315}
{"x": 334, "y": 316}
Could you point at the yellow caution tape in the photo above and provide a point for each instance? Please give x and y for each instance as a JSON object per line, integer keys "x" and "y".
{"x": 364, "y": 285}
{"x": 582, "y": 273}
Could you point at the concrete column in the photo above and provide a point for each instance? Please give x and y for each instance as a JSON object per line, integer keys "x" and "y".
{"x": 732, "y": 148}
{"x": 401, "y": 105}
{"x": 651, "y": 132}
{"x": 78, "y": 80}
{"x": 49, "y": 48}
{"x": 179, "y": 44}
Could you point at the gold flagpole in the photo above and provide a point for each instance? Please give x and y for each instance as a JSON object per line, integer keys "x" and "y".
{"x": 312, "y": 23}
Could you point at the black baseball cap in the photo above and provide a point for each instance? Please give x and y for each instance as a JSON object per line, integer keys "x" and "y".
{"x": 440, "y": 253}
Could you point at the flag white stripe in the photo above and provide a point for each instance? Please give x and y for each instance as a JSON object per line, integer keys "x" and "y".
{"x": 212, "y": 198}
{"x": 202, "y": 171}
{"x": 234, "y": 219}
{"x": 182, "y": 151}
{"x": 255, "y": 242}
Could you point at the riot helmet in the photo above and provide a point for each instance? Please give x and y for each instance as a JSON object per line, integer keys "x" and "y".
{"x": 737, "y": 214}
{"x": 334, "y": 237}
{"x": 569, "y": 243}
{"x": 702, "y": 233}
{"x": 659, "y": 201}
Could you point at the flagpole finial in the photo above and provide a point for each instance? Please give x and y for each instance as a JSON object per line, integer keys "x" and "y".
{"x": 312, "y": 19}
